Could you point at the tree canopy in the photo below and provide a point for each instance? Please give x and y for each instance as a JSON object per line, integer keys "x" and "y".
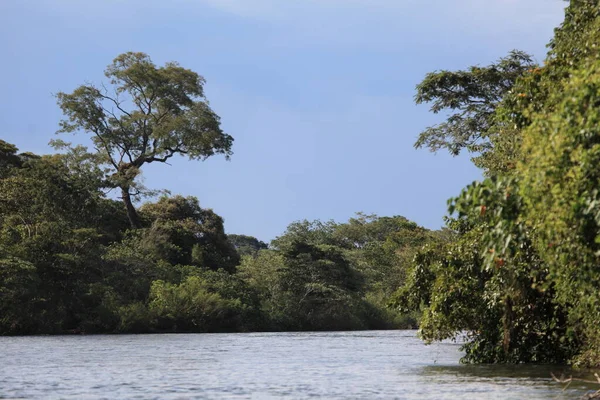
{"x": 471, "y": 97}
{"x": 146, "y": 114}
{"x": 522, "y": 276}
{"x": 70, "y": 261}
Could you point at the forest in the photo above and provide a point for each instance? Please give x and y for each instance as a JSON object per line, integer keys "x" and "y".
{"x": 73, "y": 262}
{"x": 86, "y": 248}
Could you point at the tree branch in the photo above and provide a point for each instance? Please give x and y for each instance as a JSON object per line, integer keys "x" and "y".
{"x": 114, "y": 101}
{"x": 106, "y": 146}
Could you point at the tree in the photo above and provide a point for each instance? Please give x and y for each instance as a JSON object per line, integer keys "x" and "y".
{"x": 52, "y": 223}
{"x": 307, "y": 287}
{"x": 324, "y": 291}
{"x": 247, "y": 245}
{"x": 192, "y": 306}
{"x": 490, "y": 283}
{"x": 19, "y": 285}
{"x": 179, "y": 232}
{"x": 148, "y": 114}
{"x": 532, "y": 242}
{"x": 262, "y": 273}
{"x": 312, "y": 232}
{"x": 379, "y": 249}
{"x": 8, "y": 157}
{"x": 471, "y": 96}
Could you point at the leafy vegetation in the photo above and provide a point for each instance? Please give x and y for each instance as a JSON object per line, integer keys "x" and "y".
{"x": 516, "y": 270}
{"x": 522, "y": 278}
{"x": 73, "y": 259}
{"x": 70, "y": 261}
{"x": 169, "y": 116}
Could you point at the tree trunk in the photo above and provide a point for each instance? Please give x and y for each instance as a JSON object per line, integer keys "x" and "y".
{"x": 132, "y": 214}
{"x": 507, "y": 324}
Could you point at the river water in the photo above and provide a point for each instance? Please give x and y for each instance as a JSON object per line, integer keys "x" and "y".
{"x": 328, "y": 365}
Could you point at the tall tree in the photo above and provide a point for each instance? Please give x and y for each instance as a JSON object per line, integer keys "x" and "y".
{"x": 147, "y": 114}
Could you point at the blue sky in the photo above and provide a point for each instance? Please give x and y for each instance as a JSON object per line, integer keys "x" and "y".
{"x": 318, "y": 94}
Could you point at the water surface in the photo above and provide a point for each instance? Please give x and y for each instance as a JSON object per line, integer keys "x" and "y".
{"x": 328, "y": 365}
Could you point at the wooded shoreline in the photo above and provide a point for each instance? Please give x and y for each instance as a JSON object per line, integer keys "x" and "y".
{"x": 85, "y": 247}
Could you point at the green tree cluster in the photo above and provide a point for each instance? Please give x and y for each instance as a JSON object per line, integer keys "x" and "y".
{"x": 327, "y": 275}
{"x": 74, "y": 259}
{"x": 522, "y": 279}
{"x": 71, "y": 262}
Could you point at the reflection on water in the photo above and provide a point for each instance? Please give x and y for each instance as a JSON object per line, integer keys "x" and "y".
{"x": 536, "y": 377}
{"x": 330, "y": 365}
{"x": 492, "y": 371}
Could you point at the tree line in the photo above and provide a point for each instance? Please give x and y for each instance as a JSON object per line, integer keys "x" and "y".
{"x": 75, "y": 257}
{"x": 72, "y": 261}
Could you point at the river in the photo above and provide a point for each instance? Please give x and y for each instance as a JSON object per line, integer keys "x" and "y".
{"x": 328, "y": 365}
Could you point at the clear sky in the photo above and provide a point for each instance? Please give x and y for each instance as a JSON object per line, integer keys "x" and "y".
{"x": 318, "y": 94}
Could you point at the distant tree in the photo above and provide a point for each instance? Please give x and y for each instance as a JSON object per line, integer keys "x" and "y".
{"x": 322, "y": 289}
{"x": 247, "y": 245}
{"x": 192, "y": 307}
{"x": 358, "y": 232}
{"x": 52, "y": 223}
{"x": 8, "y": 156}
{"x": 306, "y": 287}
{"x": 10, "y": 159}
{"x": 148, "y": 114}
{"x": 180, "y": 232}
{"x": 312, "y": 232}
{"x": 19, "y": 284}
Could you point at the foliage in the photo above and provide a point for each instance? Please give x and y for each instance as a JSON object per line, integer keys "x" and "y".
{"x": 18, "y": 285}
{"x": 489, "y": 284}
{"x": 311, "y": 232}
{"x": 306, "y": 287}
{"x": 558, "y": 171}
{"x": 263, "y": 274}
{"x": 181, "y": 232}
{"x": 560, "y": 181}
{"x": 169, "y": 116}
{"x": 191, "y": 307}
{"x": 472, "y": 97}
{"x": 71, "y": 263}
{"x": 320, "y": 287}
{"x": 247, "y": 245}
{"x": 293, "y": 277}
{"x": 8, "y": 158}
{"x": 527, "y": 253}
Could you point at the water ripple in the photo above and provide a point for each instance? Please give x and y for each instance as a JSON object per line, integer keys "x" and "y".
{"x": 331, "y": 365}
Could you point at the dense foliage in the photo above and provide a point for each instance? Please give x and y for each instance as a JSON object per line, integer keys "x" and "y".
{"x": 73, "y": 259}
{"x": 516, "y": 270}
{"x": 522, "y": 280}
{"x": 71, "y": 262}
{"x": 168, "y": 115}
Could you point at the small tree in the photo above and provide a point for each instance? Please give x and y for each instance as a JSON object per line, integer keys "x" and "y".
{"x": 148, "y": 114}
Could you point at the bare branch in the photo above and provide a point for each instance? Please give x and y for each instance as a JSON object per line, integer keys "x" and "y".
{"x": 106, "y": 146}
{"x": 114, "y": 101}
